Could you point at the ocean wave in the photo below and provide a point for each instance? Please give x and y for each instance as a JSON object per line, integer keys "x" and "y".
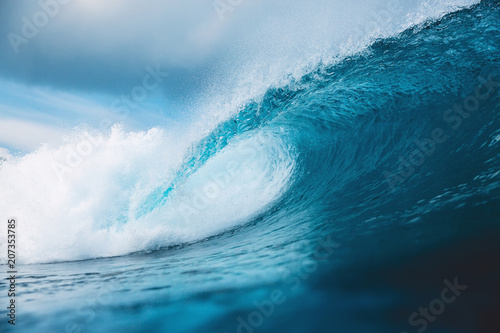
{"x": 341, "y": 132}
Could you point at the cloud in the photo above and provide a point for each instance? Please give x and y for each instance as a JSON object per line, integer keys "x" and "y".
{"x": 104, "y": 46}
{"x": 49, "y": 106}
{"x": 78, "y": 55}
{"x": 25, "y": 135}
{"x": 30, "y": 116}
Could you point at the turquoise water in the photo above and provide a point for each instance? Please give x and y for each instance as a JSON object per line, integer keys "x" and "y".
{"x": 352, "y": 194}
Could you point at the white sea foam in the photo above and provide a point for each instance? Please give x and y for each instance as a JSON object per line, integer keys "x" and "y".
{"x": 88, "y": 207}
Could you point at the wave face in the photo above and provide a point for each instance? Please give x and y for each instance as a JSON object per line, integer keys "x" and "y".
{"x": 404, "y": 128}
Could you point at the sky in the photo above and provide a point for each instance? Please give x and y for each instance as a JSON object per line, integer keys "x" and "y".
{"x": 70, "y": 63}
{"x": 65, "y": 63}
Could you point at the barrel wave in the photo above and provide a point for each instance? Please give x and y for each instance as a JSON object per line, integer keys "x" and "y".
{"x": 387, "y": 152}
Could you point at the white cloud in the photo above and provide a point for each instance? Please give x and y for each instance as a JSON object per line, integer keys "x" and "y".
{"x": 27, "y": 135}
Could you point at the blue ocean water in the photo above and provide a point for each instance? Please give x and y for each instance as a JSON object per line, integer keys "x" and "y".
{"x": 339, "y": 202}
